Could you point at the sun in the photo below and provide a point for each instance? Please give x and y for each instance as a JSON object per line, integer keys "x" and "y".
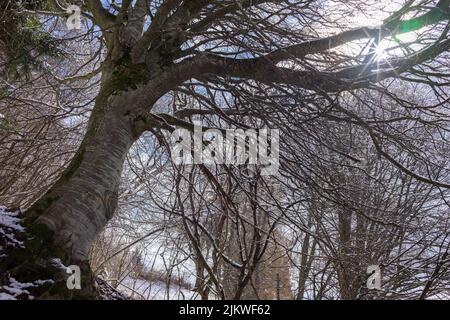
{"x": 380, "y": 52}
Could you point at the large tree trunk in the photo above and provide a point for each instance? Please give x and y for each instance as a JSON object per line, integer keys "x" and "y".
{"x": 84, "y": 199}
{"x": 66, "y": 220}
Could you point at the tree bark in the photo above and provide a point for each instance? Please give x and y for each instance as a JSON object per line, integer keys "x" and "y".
{"x": 66, "y": 220}
{"x": 84, "y": 199}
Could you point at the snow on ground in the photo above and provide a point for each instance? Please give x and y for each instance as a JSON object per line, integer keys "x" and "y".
{"x": 145, "y": 290}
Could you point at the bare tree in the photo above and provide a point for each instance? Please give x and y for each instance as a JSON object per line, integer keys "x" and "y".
{"x": 294, "y": 65}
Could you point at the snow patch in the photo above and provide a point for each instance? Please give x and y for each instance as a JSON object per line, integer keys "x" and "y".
{"x": 9, "y": 226}
{"x": 19, "y": 290}
{"x": 6, "y": 296}
{"x": 141, "y": 289}
{"x": 56, "y": 262}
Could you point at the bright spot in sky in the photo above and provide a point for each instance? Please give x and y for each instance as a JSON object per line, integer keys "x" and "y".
{"x": 380, "y": 52}
{"x": 407, "y": 37}
{"x": 390, "y": 46}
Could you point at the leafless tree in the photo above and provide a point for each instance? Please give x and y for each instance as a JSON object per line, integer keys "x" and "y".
{"x": 363, "y": 117}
